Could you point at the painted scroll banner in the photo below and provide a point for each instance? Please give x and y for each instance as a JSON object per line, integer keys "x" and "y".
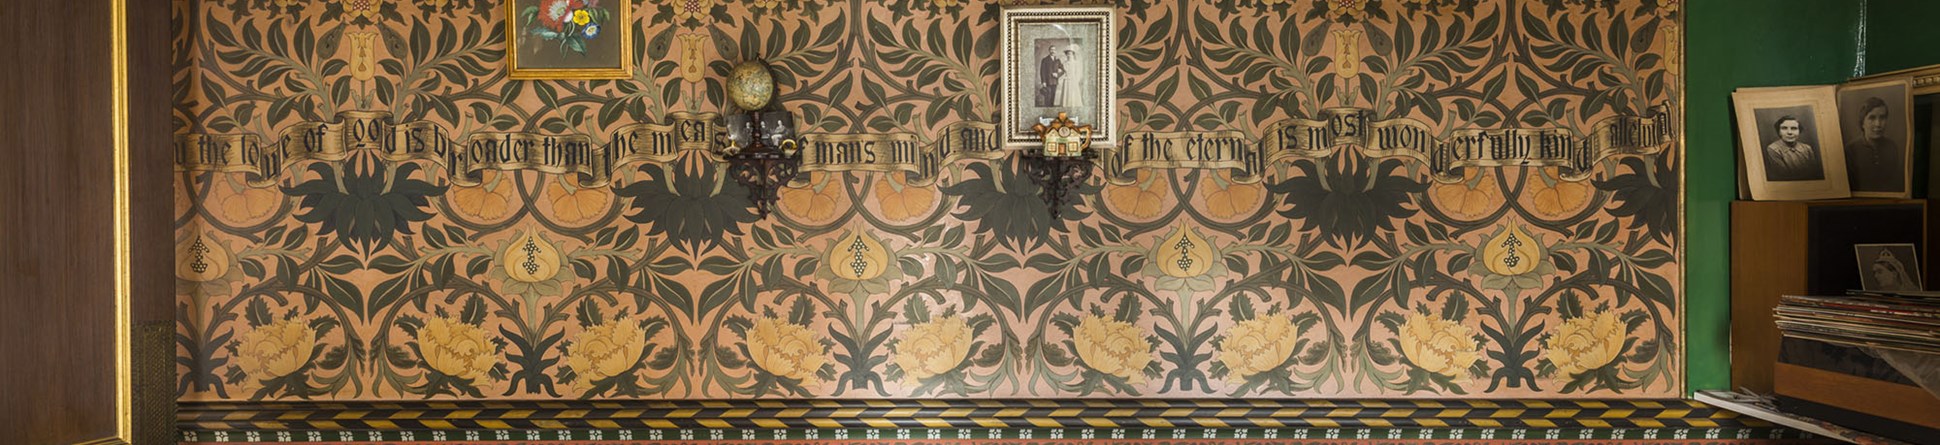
{"x": 594, "y": 163}
{"x": 1576, "y": 157}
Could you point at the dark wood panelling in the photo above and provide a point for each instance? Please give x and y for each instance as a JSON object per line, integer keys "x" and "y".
{"x": 56, "y": 228}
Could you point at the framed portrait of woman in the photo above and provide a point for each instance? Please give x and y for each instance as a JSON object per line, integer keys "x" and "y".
{"x": 1877, "y": 119}
{"x": 1058, "y": 59}
{"x": 1790, "y": 143}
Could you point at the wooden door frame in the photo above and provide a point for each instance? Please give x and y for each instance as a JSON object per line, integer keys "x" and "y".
{"x": 123, "y": 244}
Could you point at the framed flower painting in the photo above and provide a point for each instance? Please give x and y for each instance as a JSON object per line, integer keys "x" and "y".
{"x": 568, "y": 39}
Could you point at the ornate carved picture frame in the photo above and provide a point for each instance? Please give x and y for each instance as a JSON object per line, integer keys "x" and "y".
{"x": 1058, "y": 60}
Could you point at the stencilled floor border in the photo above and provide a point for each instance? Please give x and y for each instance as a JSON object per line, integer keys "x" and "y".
{"x": 771, "y": 420}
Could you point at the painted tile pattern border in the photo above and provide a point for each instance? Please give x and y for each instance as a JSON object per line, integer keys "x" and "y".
{"x": 1343, "y": 276}
{"x": 923, "y": 436}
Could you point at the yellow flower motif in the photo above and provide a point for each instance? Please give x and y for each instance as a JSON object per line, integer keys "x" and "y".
{"x": 607, "y": 349}
{"x": 363, "y": 54}
{"x": 202, "y": 260}
{"x": 1113, "y": 347}
{"x": 531, "y": 259}
{"x": 1585, "y": 343}
{"x": 490, "y": 200}
{"x": 1668, "y": 6}
{"x": 1511, "y": 259}
{"x": 817, "y": 202}
{"x": 858, "y": 257}
{"x": 456, "y": 349}
{"x": 1511, "y": 252}
{"x": 1185, "y": 261}
{"x": 784, "y": 349}
{"x": 581, "y": 17}
{"x": 1346, "y": 9}
{"x": 361, "y": 8}
{"x": 436, "y": 3}
{"x": 858, "y": 263}
{"x": 1554, "y": 197}
{"x": 1271, "y": 2}
{"x": 766, "y": 4}
{"x": 1439, "y": 346}
{"x": 936, "y": 347}
{"x": 1347, "y": 57}
{"x": 1225, "y": 199}
{"x": 578, "y": 204}
{"x": 693, "y": 9}
{"x": 1141, "y": 199}
{"x": 276, "y": 349}
{"x": 693, "y": 56}
{"x": 1673, "y": 53}
{"x": 946, "y": 3}
{"x": 1258, "y": 345}
{"x": 1471, "y": 198}
{"x": 899, "y": 201}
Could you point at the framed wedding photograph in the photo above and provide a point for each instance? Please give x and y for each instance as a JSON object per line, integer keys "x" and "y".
{"x": 1888, "y": 267}
{"x": 1058, "y": 59}
{"x": 569, "y": 39}
{"x": 1791, "y": 144}
{"x": 1877, "y": 119}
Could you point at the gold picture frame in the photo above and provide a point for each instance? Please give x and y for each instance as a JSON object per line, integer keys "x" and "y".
{"x": 543, "y": 38}
{"x": 1058, "y": 60}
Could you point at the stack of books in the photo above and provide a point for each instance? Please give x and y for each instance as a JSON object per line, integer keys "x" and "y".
{"x": 1908, "y": 321}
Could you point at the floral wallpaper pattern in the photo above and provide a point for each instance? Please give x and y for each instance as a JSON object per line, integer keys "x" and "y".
{"x": 1344, "y": 276}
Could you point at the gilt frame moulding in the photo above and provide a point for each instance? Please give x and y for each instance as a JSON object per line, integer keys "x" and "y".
{"x": 1463, "y": 210}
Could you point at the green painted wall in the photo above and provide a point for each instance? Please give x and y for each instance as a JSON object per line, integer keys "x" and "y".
{"x": 1901, "y": 34}
{"x": 1732, "y": 44}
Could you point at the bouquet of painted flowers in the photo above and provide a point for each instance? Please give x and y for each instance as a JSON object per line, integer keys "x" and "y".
{"x": 570, "y": 23}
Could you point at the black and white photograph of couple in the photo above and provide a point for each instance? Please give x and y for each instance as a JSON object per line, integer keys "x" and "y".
{"x": 1060, "y": 74}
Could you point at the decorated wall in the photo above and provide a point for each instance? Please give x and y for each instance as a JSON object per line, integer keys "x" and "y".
{"x": 348, "y": 231}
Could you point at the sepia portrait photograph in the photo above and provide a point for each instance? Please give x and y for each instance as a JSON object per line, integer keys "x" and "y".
{"x": 1057, "y": 60}
{"x": 1790, "y": 143}
{"x": 1888, "y": 267}
{"x": 1876, "y": 118}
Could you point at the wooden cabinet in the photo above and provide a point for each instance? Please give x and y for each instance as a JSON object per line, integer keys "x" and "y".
{"x": 1804, "y": 247}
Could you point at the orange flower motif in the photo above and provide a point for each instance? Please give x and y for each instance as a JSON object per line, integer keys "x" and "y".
{"x": 899, "y": 201}
{"x": 578, "y": 204}
{"x": 1139, "y": 200}
{"x": 1226, "y": 199}
{"x": 490, "y": 200}
{"x": 1472, "y": 198}
{"x": 1553, "y": 197}
{"x": 817, "y": 202}
{"x": 251, "y": 204}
